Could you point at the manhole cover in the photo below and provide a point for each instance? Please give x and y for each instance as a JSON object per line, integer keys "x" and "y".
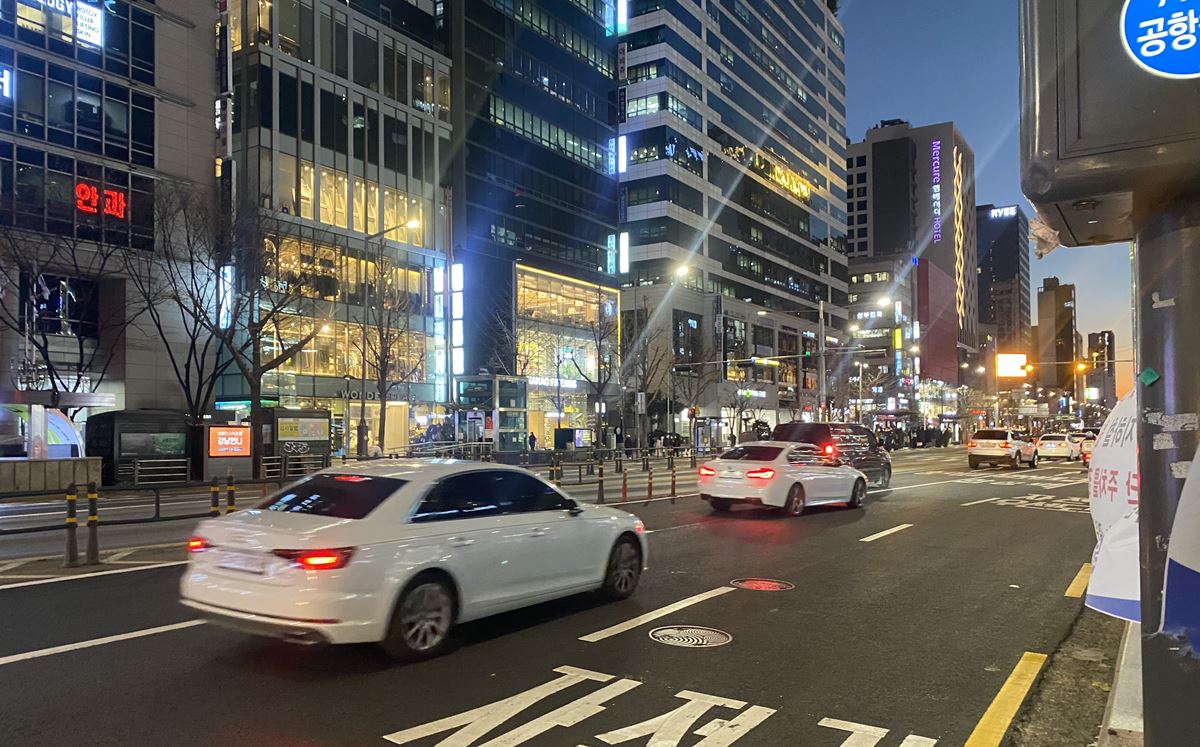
{"x": 690, "y": 636}
{"x": 762, "y": 584}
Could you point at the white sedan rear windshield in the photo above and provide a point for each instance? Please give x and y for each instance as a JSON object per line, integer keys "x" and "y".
{"x": 753, "y": 453}
{"x": 1054, "y": 438}
{"x": 991, "y": 435}
{"x": 338, "y": 496}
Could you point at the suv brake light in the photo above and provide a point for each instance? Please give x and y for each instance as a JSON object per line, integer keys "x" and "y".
{"x": 763, "y": 473}
{"x": 197, "y": 544}
{"x": 706, "y": 471}
{"x": 318, "y": 560}
{"x": 829, "y": 449}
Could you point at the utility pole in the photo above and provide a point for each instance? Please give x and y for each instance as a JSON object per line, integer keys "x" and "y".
{"x": 823, "y": 401}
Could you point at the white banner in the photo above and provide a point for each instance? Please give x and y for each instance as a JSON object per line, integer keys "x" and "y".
{"x": 1114, "y": 588}
{"x": 1181, "y": 594}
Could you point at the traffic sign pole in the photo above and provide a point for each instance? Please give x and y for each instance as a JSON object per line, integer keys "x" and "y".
{"x": 1168, "y": 305}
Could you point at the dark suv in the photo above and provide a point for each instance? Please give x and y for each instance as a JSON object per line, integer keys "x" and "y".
{"x": 851, "y": 443}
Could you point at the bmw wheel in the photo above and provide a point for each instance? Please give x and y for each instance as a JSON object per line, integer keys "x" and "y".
{"x": 858, "y": 494}
{"x": 1033, "y": 463}
{"x": 795, "y": 501}
{"x": 624, "y": 569}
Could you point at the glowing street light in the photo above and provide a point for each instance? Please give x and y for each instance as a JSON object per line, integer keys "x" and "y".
{"x": 884, "y": 302}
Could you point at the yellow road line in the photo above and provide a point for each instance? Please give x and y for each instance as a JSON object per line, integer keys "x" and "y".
{"x": 990, "y": 730}
{"x": 1079, "y": 585}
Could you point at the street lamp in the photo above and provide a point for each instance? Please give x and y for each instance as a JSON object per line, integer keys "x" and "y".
{"x": 858, "y": 403}
{"x": 682, "y": 271}
{"x": 884, "y": 302}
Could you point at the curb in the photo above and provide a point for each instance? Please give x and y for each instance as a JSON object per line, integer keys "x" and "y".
{"x": 1122, "y": 725}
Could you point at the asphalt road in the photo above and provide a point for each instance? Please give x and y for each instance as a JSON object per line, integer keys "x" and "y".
{"x": 903, "y": 640}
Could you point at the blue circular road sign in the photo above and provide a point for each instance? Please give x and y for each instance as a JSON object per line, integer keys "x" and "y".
{"x": 1161, "y": 36}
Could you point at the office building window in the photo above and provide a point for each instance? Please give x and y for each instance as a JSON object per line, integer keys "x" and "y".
{"x": 333, "y": 197}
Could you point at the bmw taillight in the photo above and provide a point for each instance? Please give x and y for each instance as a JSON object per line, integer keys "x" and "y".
{"x": 829, "y": 449}
{"x": 197, "y": 544}
{"x": 971, "y": 444}
{"x": 1004, "y": 444}
{"x": 706, "y": 471}
{"x": 318, "y": 560}
{"x": 763, "y": 473}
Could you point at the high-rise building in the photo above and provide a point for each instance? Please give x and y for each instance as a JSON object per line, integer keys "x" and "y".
{"x": 911, "y": 193}
{"x": 1057, "y": 352}
{"x": 1004, "y": 287}
{"x": 730, "y": 155}
{"x": 535, "y": 200}
{"x": 102, "y": 108}
{"x": 1102, "y": 376}
{"x": 338, "y": 115}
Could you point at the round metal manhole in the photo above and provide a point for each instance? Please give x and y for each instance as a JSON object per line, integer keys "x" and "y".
{"x": 762, "y": 584}
{"x": 690, "y": 636}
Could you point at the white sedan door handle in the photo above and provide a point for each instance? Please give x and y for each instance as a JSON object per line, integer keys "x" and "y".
{"x": 460, "y": 541}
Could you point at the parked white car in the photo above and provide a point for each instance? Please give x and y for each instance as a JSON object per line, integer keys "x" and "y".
{"x": 780, "y": 474}
{"x": 1060, "y": 446}
{"x": 397, "y": 552}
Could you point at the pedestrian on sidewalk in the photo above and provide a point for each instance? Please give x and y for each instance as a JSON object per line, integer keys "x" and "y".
{"x": 532, "y": 441}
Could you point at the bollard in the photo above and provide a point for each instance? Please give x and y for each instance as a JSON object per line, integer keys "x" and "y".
{"x": 71, "y": 558}
{"x": 672, "y": 483}
{"x": 93, "y": 545}
{"x": 600, "y": 478}
{"x": 624, "y": 486}
{"x": 231, "y": 497}
{"x": 645, "y": 460}
{"x": 649, "y": 484}
{"x": 214, "y": 499}
{"x": 557, "y": 470}
{"x": 693, "y": 458}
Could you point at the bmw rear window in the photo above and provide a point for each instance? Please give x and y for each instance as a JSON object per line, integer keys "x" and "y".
{"x": 1054, "y": 438}
{"x": 753, "y": 453}
{"x": 336, "y": 496}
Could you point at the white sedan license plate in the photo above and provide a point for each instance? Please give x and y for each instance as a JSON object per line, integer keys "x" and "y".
{"x": 241, "y": 561}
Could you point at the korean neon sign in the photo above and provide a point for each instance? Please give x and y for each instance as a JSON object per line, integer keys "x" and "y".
{"x": 92, "y": 200}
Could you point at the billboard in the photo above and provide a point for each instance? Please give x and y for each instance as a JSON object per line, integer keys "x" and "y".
{"x": 1011, "y": 365}
{"x": 229, "y": 441}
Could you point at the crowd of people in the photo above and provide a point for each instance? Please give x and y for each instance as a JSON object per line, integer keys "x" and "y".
{"x": 914, "y": 438}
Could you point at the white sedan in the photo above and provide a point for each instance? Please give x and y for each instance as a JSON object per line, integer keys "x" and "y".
{"x": 781, "y": 474}
{"x": 1059, "y": 446}
{"x": 397, "y": 552}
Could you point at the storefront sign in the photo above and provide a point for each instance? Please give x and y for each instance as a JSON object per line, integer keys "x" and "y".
{"x": 89, "y": 19}
{"x": 92, "y": 200}
{"x": 936, "y": 192}
{"x": 752, "y": 393}
{"x": 232, "y": 441}
{"x": 303, "y": 429}
{"x": 546, "y": 381}
{"x": 1162, "y": 38}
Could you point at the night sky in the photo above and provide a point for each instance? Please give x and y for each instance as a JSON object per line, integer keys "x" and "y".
{"x": 931, "y": 61}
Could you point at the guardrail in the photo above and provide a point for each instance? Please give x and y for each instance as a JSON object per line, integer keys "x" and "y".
{"x": 139, "y": 471}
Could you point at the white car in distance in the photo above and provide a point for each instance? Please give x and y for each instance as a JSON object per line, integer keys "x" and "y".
{"x": 779, "y": 474}
{"x": 1060, "y": 446}
{"x": 397, "y": 552}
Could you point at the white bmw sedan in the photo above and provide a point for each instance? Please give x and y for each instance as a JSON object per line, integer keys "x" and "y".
{"x": 397, "y": 552}
{"x": 781, "y": 474}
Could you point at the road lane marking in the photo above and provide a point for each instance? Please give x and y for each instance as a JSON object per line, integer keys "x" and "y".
{"x": 990, "y": 730}
{"x": 680, "y": 526}
{"x": 655, "y": 614}
{"x": 884, "y": 533}
{"x": 1080, "y": 584}
{"x": 5, "y": 660}
{"x": 976, "y": 503}
{"x": 80, "y": 576}
{"x": 13, "y": 564}
{"x": 923, "y": 485}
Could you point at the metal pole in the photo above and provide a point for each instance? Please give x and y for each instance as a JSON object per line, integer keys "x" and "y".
{"x": 823, "y": 401}
{"x": 93, "y": 544}
{"x": 231, "y": 497}
{"x": 1168, "y": 273}
{"x": 600, "y": 478}
{"x": 858, "y": 405}
{"x": 362, "y": 393}
{"x": 71, "y": 558}
{"x": 214, "y": 496}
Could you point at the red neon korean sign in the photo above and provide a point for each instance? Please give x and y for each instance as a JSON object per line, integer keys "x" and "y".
{"x": 92, "y": 200}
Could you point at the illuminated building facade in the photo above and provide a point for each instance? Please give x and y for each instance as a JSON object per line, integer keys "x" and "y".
{"x": 911, "y": 192}
{"x": 338, "y": 117}
{"x": 99, "y": 104}
{"x": 534, "y": 191}
{"x": 732, "y": 205}
{"x": 1004, "y": 286}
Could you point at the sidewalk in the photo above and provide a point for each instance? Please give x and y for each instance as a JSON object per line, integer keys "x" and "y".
{"x": 1123, "y": 726}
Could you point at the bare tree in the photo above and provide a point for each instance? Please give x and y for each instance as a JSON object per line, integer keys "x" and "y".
{"x": 395, "y": 350}
{"x": 61, "y": 295}
{"x": 745, "y": 408}
{"x": 644, "y": 359}
{"x": 692, "y": 381}
{"x": 603, "y": 332}
{"x": 177, "y": 293}
{"x": 262, "y": 309}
